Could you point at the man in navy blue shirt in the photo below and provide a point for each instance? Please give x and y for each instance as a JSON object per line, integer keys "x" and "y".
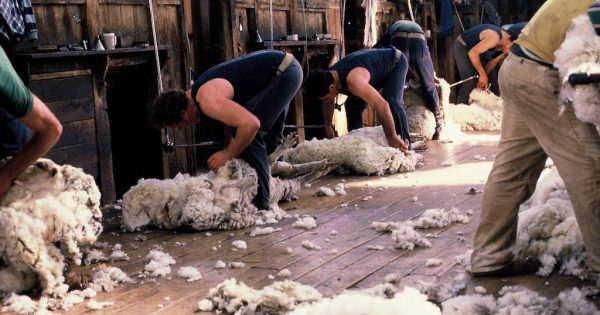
{"x": 251, "y": 94}
{"x": 360, "y": 75}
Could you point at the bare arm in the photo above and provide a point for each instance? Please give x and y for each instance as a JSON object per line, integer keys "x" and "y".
{"x": 490, "y": 65}
{"x": 488, "y": 40}
{"x": 216, "y": 98}
{"x": 358, "y": 84}
{"x": 328, "y": 108}
{"x": 47, "y": 129}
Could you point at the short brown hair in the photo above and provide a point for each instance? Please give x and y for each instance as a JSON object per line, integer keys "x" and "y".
{"x": 167, "y": 108}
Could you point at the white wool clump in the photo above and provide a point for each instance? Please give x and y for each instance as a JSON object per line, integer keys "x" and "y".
{"x": 437, "y": 291}
{"x": 340, "y": 189}
{"x": 403, "y": 234}
{"x": 486, "y": 100}
{"x": 361, "y": 151}
{"x": 519, "y": 300}
{"x": 263, "y": 231}
{"x": 436, "y": 218}
{"x": 118, "y": 254}
{"x": 580, "y": 53}
{"x": 239, "y": 244}
{"x": 209, "y": 201}
{"x": 280, "y": 297}
{"x": 237, "y": 264}
{"x": 220, "y": 264}
{"x": 409, "y": 301}
{"x": 189, "y": 273}
{"x": 548, "y": 229}
{"x": 284, "y": 273}
{"x": 375, "y": 247}
{"x": 325, "y": 191}
{"x": 48, "y": 205}
{"x": 573, "y": 301}
{"x": 107, "y": 278}
{"x": 95, "y": 305}
{"x": 432, "y": 262}
{"x": 310, "y": 245}
{"x": 158, "y": 263}
{"x": 465, "y": 259}
{"x": 20, "y": 304}
{"x": 469, "y": 304}
{"x": 474, "y": 117}
{"x": 420, "y": 120}
{"x": 307, "y": 223}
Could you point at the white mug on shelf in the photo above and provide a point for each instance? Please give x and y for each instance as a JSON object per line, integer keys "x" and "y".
{"x": 109, "y": 40}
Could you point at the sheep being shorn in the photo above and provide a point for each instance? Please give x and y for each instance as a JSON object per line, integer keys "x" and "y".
{"x": 49, "y": 206}
{"x": 580, "y": 53}
{"x": 221, "y": 200}
{"x": 483, "y": 113}
{"x": 363, "y": 151}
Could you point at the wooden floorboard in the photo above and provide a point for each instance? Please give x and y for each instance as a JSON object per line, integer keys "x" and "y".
{"x": 352, "y": 265}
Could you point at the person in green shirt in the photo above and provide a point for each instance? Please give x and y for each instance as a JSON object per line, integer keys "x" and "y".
{"x": 17, "y": 102}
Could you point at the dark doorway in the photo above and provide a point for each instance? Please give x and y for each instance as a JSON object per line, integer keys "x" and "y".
{"x": 136, "y": 146}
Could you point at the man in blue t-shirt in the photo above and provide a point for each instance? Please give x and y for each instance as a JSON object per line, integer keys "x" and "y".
{"x": 409, "y": 38}
{"x": 485, "y": 43}
{"x": 251, "y": 94}
{"x": 360, "y": 75}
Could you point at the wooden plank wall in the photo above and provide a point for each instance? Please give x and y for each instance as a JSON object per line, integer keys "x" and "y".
{"x": 62, "y": 22}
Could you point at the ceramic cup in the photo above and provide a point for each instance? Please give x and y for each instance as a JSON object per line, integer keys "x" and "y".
{"x": 109, "y": 40}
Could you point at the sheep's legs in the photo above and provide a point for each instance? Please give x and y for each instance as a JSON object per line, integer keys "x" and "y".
{"x": 289, "y": 141}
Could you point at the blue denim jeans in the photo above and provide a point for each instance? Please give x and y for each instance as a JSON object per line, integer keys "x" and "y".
{"x": 270, "y": 106}
{"x": 393, "y": 93}
{"x": 419, "y": 59}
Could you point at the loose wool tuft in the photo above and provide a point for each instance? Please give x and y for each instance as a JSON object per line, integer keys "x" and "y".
{"x": 209, "y": 201}
{"x": 484, "y": 113}
{"x": 420, "y": 119}
{"x": 280, "y": 297}
{"x": 363, "y": 151}
{"x": 548, "y": 229}
{"x": 49, "y": 205}
{"x": 580, "y": 53}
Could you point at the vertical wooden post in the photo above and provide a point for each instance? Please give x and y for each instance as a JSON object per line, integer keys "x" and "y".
{"x": 92, "y": 11}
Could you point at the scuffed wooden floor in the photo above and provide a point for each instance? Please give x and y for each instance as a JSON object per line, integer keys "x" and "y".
{"x": 353, "y": 266}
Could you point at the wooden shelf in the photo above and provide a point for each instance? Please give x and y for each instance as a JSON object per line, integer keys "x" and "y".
{"x": 90, "y": 53}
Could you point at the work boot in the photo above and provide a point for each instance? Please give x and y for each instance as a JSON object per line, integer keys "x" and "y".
{"x": 527, "y": 266}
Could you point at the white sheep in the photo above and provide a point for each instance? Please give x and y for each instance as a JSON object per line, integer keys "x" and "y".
{"x": 49, "y": 205}
{"x": 580, "y": 53}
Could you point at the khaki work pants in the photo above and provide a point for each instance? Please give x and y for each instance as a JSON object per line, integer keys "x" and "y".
{"x": 532, "y": 130}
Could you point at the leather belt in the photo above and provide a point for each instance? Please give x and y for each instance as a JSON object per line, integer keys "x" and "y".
{"x": 409, "y": 35}
{"x": 522, "y": 52}
{"x": 285, "y": 63}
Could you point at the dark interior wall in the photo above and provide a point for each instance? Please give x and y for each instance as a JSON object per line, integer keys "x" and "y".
{"x": 135, "y": 144}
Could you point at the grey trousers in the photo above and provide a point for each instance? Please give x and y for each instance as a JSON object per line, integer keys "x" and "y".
{"x": 532, "y": 130}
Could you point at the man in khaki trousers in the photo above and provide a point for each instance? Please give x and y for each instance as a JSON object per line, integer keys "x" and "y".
{"x": 532, "y": 130}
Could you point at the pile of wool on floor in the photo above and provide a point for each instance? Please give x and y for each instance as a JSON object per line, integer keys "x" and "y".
{"x": 363, "y": 151}
{"x": 519, "y": 300}
{"x": 289, "y": 297}
{"x": 580, "y": 53}
{"x": 483, "y": 113}
{"x": 548, "y": 229}
{"x": 104, "y": 279}
{"x": 221, "y": 200}
{"x": 46, "y": 216}
{"x": 404, "y": 234}
{"x": 420, "y": 118}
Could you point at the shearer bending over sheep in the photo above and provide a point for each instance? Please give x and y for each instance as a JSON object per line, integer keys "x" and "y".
{"x": 20, "y": 110}
{"x": 533, "y": 129}
{"x": 482, "y": 43}
{"x": 408, "y": 37}
{"x": 252, "y": 95}
{"x": 361, "y": 74}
